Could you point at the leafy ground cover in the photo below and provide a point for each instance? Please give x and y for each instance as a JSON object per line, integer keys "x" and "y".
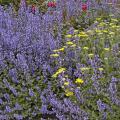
{"x": 63, "y": 65}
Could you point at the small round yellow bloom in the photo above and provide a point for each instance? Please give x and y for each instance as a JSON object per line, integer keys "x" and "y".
{"x": 82, "y": 35}
{"x": 105, "y": 31}
{"x": 64, "y": 46}
{"x": 58, "y": 72}
{"x": 84, "y": 68}
{"x": 69, "y": 43}
{"x": 66, "y": 83}
{"x": 66, "y": 76}
{"x": 54, "y": 55}
{"x": 68, "y": 36}
{"x": 75, "y": 31}
{"x": 69, "y": 93}
{"x": 61, "y": 49}
{"x": 98, "y": 31}
{"x": 90, "y": 55}
{"x": 107, "y": 49}
{"x": 114, "y": 20}
{"x": 100, "y": 69}
{"x": 98, "y": 19}
{"x": 74, "y": 45}
{"x": 111, "y": 33}
{"x": 78, "y": 80}
{"x": 55, "y": 50}
{"x": 85, "y": 48}
{"x": 114, "y": 26}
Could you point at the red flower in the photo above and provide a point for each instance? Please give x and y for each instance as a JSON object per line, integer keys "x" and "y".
{"x": 84, "y": 7}
{"x": 51, "y": 4}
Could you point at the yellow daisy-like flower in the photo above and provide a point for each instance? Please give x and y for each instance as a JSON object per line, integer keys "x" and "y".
{"x": 55, "y": 50}
{"x": 98, "y": 19}
{"x": 66, "y": 83}
{"x": 68, "y": 93}
{"x": 58, "y": 72}
{"x": 75, "y": 31}
{"x": 74, "y": 45}
{"x": 100, "y": 69}
{"x": 78, "y": 80}
{"x": 102, "y": 24}
{"x": 114, "y": 26}
{"x": 105, "y": 31}
{"x": 54, "y": 55}
{"x": 61, "y": 49}
{"x": 75, "y": 36}
{"x": 107, "y": 49}
{"x": 82, "y": 34}
{"x": 90, "y": 55}
{"x": 69, "y": 43}
{"x": 114, "y": 20}
{"x": 111, "y": 33}
{"x": 66, "y": 76}
{"x": 98, "y": 31}
{"x": 64, "y": 46}
{"x": 90, "y": 32}
{"x": 58, "y": 50}
{"x": 84, "y": 68}
{"x": 68, "y": 36}
{"x": 85, "y": 48}
{"x": 111, "y": 24}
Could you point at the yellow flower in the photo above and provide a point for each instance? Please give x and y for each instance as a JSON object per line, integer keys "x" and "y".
{"x": 74, "y": 45}
{"x": 75, "y": 31}
{"x": 61, "y": 49}
{"x": 78, "y": 80}
{"x": 64, "y": 46}
{"x": 55, "y": 50}
{"x": 90, "y": 32}
{"x": 58, "y": 72}
{"x": 114, "y": 20}
{"x": 54, "y": 55}
{"x": 90, "y": 55}
{"x": 100, "y": 33}
{"x": 84, "y": 68}
{"x": 68, "y": 93}
{"x": 66, "y": 76}
{"x": 107, "y": 49}
{"x": 114, "y": 26}
{"x": 100, "y": 69}
{"x": 97, "y": 31}
{"x": 61, "y": 70}
{"x": 66, "y": 83}
{"x": 85, "y": 48}
{"x": 98, "y": 19}
{"x": 111, "y": 33}
{"x": 102, "y": 24}
{"x": 68, "y": 36}
{"x": 69, "y": 43}
{"x": 105, "y": 31}
{"x": 111, "y": 24}
{"x": 82, "y": 34}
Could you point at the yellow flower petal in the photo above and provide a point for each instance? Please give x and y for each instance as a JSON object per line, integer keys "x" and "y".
{"x": 54, "y": 55}
{"x": 78, "y": 80}
{"x": 68, "y": 36}
{"x": 66, "y": 83}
